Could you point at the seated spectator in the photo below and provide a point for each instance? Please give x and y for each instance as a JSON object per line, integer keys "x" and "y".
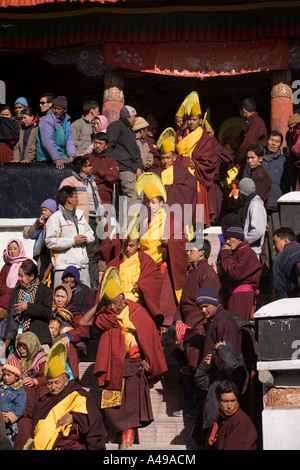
{"x": 105, "y": 169}
{"x": 233, "y": 429}
{"x": 46, "y": 103}
{"x": 82, "y": 295}
{"x": 25, "y": 148}
{"x": 13, "y": 397}
{"x": 37, "y": 232}
{"x": 55, "y": 142}
{"x": 71, "y": 333}
{"x": 29, "y": 306}
{"x": 29, "y": 351}
{"x": 140, "y": 129}
{"x": 4, "y": 300}
{"x": 5, "y": 111}
{"x": 9, "y": 274}
{"x": 9, "y": 135}
{"x": 20, "y": 104}
{"x": 82, "y": 127}
{"x": 100, "y": 124}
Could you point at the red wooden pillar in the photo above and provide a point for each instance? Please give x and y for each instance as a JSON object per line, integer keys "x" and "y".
{"x": 281, "y": 101}
{"x": 113, "y": 96}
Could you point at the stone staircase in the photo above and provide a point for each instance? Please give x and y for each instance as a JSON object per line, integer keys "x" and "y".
{"x": 166, "y": 432}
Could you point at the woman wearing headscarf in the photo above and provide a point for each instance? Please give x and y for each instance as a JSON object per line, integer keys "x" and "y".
{"x": 33, "y": 358}
{"x": 13, "y": 257}
{"x": 30, "y": 306}
{"x": 71, "y": 333}
{"x": 100, "y": 125}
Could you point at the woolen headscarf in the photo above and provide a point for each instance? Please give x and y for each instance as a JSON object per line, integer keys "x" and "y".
{"x": 12, "y": 277}
{"x": 33, "y": 346}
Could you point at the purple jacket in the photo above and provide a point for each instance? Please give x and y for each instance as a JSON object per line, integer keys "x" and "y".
{"x": 55, "y": 139}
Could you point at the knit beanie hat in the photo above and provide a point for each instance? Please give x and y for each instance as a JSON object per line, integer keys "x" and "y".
{"x": 23, "y": 101}
{"x": 234, "y": 232}
{"x": 246, "y": 186}
{"x": 61, "y": 101}
{"x": 207, "y": 295}
{"x": 127, "y": 111}
{"x": 49, "y": 204}
{"x": 14, "y": 366}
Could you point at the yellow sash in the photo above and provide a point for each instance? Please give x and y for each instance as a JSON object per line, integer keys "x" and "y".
{"x": 186, "y": 146}
{"x": 127, "y": 326}
{"x": 130, "y": 271}
{"x": 150, "y": 241}
{"x": 167, "y": 176}
{"x": 45, "y": 433}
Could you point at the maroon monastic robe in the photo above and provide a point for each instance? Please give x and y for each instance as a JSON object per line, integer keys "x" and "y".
{"x": 149, "y": 282}
{"x": 256, "y": 133}
{"x": 222, "y": 327}
{"x": 109, "y": 364}
{"x": 183, "y": 190}
{"x": 205, "y": 158}
{"x": 242, "y": 270}
{"x": 106, "y": 173}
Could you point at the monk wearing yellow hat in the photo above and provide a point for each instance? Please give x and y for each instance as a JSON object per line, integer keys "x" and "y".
{"x": 196, "y": 153}
{"x": 65, "y": 418}
{"x": 140, "y": 276}
{"x": 162, "y": 238}
{"x": 180, "y": 185}
{"x": 129, "y": 359}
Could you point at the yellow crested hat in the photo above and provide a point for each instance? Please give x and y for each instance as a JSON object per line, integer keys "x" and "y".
{"x": 111, "y": 285}
{"x": 55, "y": 364}
{"x": 190, "y": 106}
{"x": 166, "y": 141}
{"x": 132, "y": 232}
{"x": 112, "y": 290}
{"x": 206, "y": 119}
{"x": 151, "y": 185}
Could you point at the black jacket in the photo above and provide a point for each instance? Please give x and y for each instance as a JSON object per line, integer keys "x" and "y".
{"x": 39, "y": 312}
{"x": 122, "y": 146}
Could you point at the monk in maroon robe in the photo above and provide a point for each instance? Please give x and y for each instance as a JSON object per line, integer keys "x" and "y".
{"x": 256, "y": 132}
{"x": 242, "y": 270}
{"x": 183, "y": 188}
{"x": 197, "y": 154}
{"x": 126, "y": 365}
{"x": 148, "y": 284}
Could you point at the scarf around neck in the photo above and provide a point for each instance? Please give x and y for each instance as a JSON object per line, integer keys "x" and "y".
{"x": 12, "y": 277}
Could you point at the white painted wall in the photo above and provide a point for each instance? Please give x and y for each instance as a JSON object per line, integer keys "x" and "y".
{"x": 281, "y": 429}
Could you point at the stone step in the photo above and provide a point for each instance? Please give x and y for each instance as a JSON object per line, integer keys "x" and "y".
{"x": 156, "y": 447}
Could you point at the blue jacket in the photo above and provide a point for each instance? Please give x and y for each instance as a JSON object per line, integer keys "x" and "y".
{"x": 54, "y": 139}
{"x": 285, "y": 273}
{"x": 277, "y": 169}
{"x": 13, "y": 400}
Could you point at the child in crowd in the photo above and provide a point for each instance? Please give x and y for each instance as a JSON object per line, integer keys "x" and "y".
{"x": 37, "y": 232}
{"x": 13, "y": 398}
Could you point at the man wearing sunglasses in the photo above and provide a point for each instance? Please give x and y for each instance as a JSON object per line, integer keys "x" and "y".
{"x": 46, "y": 102}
